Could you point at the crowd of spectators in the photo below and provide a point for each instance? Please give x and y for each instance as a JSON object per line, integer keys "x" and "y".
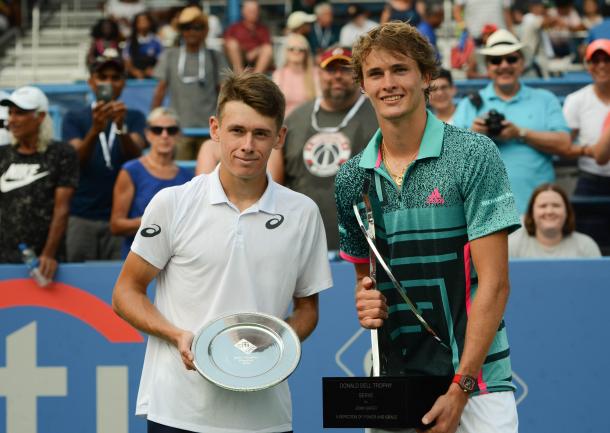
{"x": 105, "y": 182}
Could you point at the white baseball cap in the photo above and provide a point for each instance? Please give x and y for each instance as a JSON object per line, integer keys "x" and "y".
{"x": 298, "y": 18}
{"x": 27, "y": 98}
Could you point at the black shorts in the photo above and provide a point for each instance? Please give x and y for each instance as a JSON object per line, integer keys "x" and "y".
{"x": 153, "y": 427}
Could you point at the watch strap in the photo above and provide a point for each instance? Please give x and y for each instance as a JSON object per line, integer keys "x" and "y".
{"x": 466, "y": 382}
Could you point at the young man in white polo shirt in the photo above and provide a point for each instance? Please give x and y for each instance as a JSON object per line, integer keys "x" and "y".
{"x": 232, "y": 241}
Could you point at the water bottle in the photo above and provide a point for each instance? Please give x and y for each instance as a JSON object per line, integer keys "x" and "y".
{"x": 31, "y": 261}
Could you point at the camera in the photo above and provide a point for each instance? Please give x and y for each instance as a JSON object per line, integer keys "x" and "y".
{"x": 104, "y": 92}
{"x": 493, "y": 121}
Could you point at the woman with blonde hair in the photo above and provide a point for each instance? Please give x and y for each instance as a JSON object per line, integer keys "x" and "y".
{"x": 295, "y": 77}
{"x": 140, "y": 179}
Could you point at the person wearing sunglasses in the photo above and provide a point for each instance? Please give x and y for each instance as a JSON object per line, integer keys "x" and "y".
{"x": 533, "y": 128}
{"x": 140, "y": 179}
{"x": 295, "y": 77}
{"x": 587, "y": 112}
{"x": 190, "y": 74}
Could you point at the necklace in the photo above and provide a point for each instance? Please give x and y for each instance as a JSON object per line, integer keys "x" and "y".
{"x": 398, "y": 178}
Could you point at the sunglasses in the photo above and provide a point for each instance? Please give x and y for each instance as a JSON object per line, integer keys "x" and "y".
{"x": 197, "y": 27}
{"x": 158, "y": 130}
{"x": 297, "y": 49}
{"x": 497, "y": 60}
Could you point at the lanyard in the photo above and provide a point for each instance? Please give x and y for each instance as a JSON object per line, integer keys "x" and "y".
{"x": 322, "y": 35}
{"x": 350, "y": 114}
{"x": 200, "y": 69}
{"x": 107, "y": 142}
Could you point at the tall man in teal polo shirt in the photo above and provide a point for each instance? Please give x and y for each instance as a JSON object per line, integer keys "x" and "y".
{"x": 443, "y": 208}
{"x": 534, "y": 127}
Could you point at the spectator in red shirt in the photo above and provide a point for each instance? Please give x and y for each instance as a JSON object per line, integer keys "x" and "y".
{"x": 248, "y": 42}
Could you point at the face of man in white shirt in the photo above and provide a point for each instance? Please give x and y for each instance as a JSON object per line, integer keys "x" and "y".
{"x": 246, "y": 140}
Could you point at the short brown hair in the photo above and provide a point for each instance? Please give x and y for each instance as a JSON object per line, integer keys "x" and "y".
{"x": 255, "y": 90}
{"x": 570, "y": 224}
{"x": 396, "y": 37}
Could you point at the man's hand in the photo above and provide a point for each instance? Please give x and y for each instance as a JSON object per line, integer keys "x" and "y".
{"x": 47, "y": 266}
{"x": 446, "y": 411}
{"x": 102, "y": 113}
{"x": 370, "y": 304}
{"x": 479, "y": 125}
{"x": 119, "y": 110}
{"x": 510, "y": 131}
{"x": 183, "y": 344}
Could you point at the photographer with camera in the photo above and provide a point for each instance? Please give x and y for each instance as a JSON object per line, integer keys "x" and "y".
{"x": 527, "y": 124}
{"x": 105, "y": 135}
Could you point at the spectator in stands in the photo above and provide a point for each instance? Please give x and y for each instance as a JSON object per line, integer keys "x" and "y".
{"x": 474, "y": 14}
{"x": 140, "y": 179}
{"x": 565, "y": 22}
{"x": 409, "y": 11}
{"x": 123, "y": 12}
{"x": 587, "y": 112}
{"x": 105, "y": 135}
{"x": 534, "y": 36}
{"x": 526, "y": 123}
{"x": 549, "y": 228}
{"x": 143, "y": 47}
{"x": 300, "y": 22}
{"x": 295, "y": 76}
{"x": 431, "y": 19}
{"x": 5, "y": 136}
{"x": 324, "y": 33}
{"x": 358, "y": 24}
{"x": 38, "y": 177}
{"x": 590, "y": 13}
{"x": 322, "y": 135}
{"x": 191, "y": 75}
{"x": 442, "y": 92}
{"x": 5, "y": 13}
{"x": 476, "y": 66}
{"x": 104, "y": 34}
{"x": 602, "y": 30}
{"x": 248, "y": 42}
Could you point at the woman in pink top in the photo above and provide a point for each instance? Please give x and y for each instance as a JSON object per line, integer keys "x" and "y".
{"x": 295, "y": 77}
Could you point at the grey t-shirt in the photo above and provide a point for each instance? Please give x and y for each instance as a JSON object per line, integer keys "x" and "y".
{"x": 194, "y": 101}
{"x": 311, "y": 160}
{"x": 522, "y": 245}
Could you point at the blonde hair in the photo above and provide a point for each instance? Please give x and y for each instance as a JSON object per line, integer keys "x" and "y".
{"x": 45, "y": 134}
{"x": 160, "y": 112}
{"x": 307, "y": 63}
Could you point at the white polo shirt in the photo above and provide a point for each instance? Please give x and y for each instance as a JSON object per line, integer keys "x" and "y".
{"x": 217, "y": 261}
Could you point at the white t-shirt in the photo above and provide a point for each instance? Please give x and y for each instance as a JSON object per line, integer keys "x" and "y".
{"x": 350, "y": 32}
{"x": 216, "y": 261}
{"x": 477, "y": 13}
{"x": 584, "y": 111}
{"x": 522, "y": 245}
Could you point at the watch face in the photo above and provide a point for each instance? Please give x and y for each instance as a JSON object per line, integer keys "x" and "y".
{"x": 468, "y": 383}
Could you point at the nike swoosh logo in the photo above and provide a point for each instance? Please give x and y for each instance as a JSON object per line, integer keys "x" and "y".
{"x": 9, "y": 185}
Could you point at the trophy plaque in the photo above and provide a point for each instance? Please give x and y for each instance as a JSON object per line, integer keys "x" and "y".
{"x": 381, "y": 401}
{"x": 246, "y": 351}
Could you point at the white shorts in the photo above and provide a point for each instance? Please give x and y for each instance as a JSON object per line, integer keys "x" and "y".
{"x": 490, "y": 413}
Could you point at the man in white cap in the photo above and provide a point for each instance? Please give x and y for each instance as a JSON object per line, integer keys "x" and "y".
{"x": 38, "y": 177}
{"x": 322, "y": 135}
{"x": 526, "y": 123}
{"x": 587, "y": 112}
{"x": 191, "y": 75}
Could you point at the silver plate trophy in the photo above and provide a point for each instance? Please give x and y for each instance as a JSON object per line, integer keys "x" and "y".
{"x": 246, "y": 351}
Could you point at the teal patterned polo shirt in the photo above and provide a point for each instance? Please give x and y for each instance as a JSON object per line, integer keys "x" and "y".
{"x": 455, "y": 191}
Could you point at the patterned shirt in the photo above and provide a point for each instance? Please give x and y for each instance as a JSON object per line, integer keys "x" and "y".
{"x": 456, "y": 191}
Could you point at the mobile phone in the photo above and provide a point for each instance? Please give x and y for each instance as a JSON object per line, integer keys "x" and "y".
{"x": 104, "y": 92}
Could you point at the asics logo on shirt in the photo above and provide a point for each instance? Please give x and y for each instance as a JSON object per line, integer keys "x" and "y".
{"x": 20, "y": 175}
{"x": 274, "y": 223}
{"x": 152, "y": 230}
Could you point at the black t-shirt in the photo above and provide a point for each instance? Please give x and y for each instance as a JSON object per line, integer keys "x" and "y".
{"x": 27, "y": 195}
